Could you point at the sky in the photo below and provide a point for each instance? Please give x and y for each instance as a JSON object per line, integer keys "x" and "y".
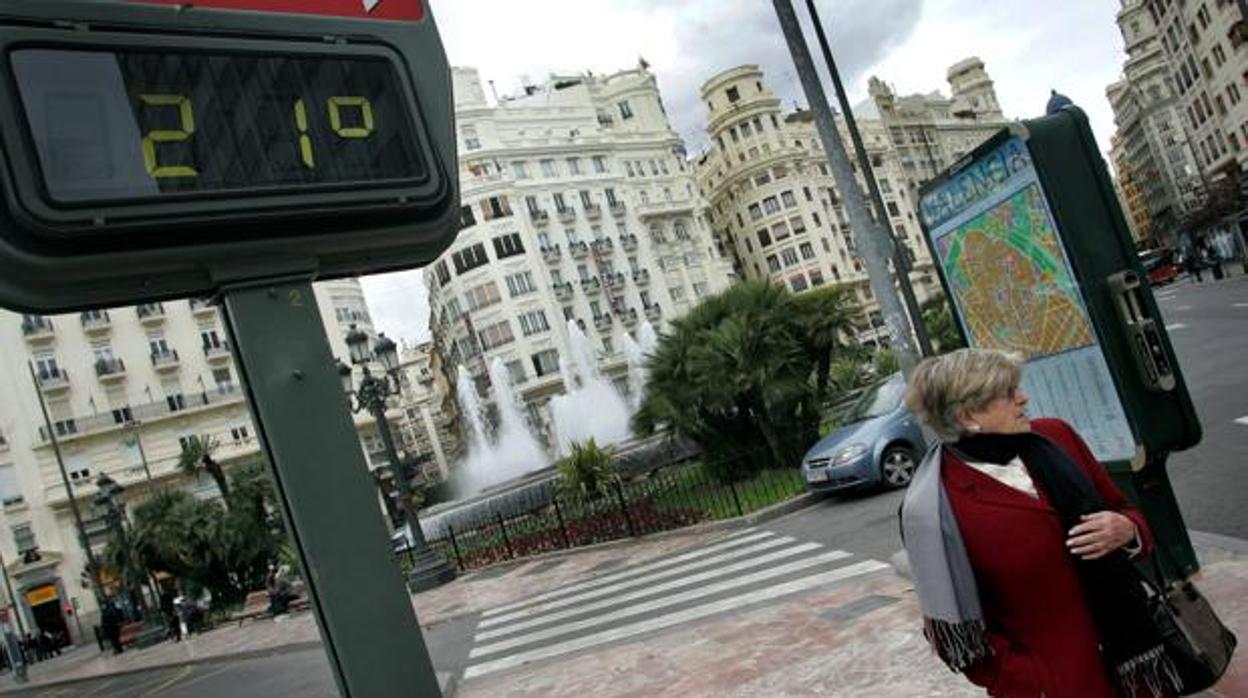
{"x": 1028, "y": 48}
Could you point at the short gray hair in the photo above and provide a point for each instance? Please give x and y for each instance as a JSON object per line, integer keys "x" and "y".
{"x": 967, "y": 380}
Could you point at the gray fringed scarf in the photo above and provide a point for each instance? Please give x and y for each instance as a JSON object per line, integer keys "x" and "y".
{"x": 952, "y": 616}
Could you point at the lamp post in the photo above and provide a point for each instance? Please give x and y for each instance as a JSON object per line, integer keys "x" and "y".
{"x": 429, "y": 569}
{"x": 109, "y": 499}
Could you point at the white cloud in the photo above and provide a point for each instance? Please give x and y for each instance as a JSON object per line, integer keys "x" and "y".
{"x": 1027, "y": 47}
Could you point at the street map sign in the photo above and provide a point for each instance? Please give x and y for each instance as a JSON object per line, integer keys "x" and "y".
{"x": 1013, "y": 289}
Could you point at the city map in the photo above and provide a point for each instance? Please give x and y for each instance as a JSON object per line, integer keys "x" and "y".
{"x": 1009, "y": 274}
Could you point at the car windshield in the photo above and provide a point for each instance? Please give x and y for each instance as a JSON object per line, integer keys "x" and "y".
{"x": 880, "y": 399}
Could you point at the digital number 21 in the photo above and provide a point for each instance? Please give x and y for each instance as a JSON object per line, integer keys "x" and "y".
{"x": 186, "y": 128}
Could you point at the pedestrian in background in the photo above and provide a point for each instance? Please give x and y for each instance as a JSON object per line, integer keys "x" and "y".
{"x": 1191, "y": 261}
{"x": 1020, "y": 545}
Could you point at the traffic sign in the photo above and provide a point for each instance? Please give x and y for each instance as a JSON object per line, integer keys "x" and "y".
{"x": 154, "y": 149}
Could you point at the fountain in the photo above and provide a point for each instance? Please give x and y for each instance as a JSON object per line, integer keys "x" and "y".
{"x": 512, "y": 452}
{"x": 590, "y": 407}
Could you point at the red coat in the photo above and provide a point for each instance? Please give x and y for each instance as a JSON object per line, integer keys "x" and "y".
{"x": 1039, "y": 625}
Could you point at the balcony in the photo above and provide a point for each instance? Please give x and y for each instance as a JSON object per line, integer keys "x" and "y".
{"x": 579, "y": 250}
{"x": 110, "y": 370}
{"x": 37, "y": 328}
{"x": 602, "y": 322}
{"x": 629, "y": 316}
{"x": 552, "y": 254}
{"x": 202, "y": 306}
{"x": 656, "y": 209}
{"x": 539, "y": 217}
{"x": 654, "y": 312}
{"x": 216, "y": 353}
{"x": 52, "y": 381}
{"x": 150, "y": 313}
{"x": 95, "y": 321}
{"x": 603, "y": 246}
{"x": 593, "y": 212}
{"x": 641, "y": 277}
{"x": 618, "y": 209}
{"x": 629, "y": 242}
{"x": 614, "y": 281}
{"x": 567, "y": 215}
{"x": 591, "y": 286}
{"x": 563, "y": 291}
{"x": 166, "y": 360}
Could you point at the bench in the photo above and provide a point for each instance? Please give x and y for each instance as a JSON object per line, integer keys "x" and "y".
{"x": 256, "y": 605}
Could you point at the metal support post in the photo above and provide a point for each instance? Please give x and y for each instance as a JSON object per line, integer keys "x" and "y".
{"x": 870, "y": 238}
{"x": 366, "y": 619}
{"x": 901, "y": 260}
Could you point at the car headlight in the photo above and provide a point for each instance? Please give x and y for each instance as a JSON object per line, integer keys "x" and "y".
{"x": 849, "y": 453}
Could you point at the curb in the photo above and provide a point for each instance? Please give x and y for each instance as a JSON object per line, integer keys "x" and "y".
{"x": 1228, "y": 544}
{"x": 215, "y": 659}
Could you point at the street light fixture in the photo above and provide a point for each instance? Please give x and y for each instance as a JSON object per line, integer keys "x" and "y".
{"x": 429, "y": 568}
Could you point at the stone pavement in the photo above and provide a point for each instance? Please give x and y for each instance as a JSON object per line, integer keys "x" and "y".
{"x": 855, "y": 637}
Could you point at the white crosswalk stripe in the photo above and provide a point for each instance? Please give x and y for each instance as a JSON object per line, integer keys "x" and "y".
{"x": 749, "y": 568}
{"x": 630, "y": 572}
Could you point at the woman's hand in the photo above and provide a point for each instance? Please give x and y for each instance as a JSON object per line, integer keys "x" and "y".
{"x": 1100, "y": 534}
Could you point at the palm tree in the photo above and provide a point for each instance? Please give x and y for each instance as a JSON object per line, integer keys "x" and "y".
{"x": 197, "y": 454}
{"x": 586, "y": 471}
{"x": 827, "y": 315}
{"x": 731, "y": 375}
{"x": 938, "y": 318}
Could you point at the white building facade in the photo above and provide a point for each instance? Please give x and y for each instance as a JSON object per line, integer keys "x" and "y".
{"x": 774, "y": 205}
{"x": 578, "y": 206}
{"x": 124, "y": 389}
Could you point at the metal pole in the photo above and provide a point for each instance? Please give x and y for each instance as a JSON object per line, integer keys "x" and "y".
{"x": 73, "y": 502}
{"x": 8, "y": 589}
{"x": 429, "y": 568}
{"x": 138, "y": 440}
{"x": 368, "y": 626}
{"x": 870, "y": 239}
{"x": 901, "y": 261}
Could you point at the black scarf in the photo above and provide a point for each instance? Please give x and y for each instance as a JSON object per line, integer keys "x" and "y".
{"x": 1118, "y": 602}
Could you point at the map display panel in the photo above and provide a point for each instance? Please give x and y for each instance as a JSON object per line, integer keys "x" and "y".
{"x": 1013, "y": 289}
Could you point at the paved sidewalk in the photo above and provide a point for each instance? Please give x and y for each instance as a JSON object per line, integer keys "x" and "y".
{"x": 858, "y": 637}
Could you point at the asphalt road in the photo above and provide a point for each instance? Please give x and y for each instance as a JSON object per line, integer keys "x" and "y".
{"x": 1209, "y": 327}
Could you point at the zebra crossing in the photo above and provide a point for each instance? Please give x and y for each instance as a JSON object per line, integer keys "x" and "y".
{"x": 748, "y": 568}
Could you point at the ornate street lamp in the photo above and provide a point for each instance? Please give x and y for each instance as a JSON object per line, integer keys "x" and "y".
{"x": 429, "y": 568}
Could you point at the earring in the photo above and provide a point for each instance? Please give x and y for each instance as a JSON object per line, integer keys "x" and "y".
{"x": 973, "y": 428}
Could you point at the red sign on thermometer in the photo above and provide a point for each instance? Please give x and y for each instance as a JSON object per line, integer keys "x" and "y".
{"x": 397, "y": 10}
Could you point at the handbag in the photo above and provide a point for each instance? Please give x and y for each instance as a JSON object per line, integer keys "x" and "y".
{"x": 1195, "y": 639}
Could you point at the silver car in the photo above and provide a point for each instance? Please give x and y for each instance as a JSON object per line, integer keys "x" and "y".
{"x": 880, "y": 444}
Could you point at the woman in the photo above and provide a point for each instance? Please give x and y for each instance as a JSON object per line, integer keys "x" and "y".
{"x": 1020, "y": 545}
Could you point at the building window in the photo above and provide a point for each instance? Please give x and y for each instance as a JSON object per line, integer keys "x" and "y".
{"x": 756, "y": 212}
{"x": 892, "y": 209}
{"x": 470, "y": 258}
{"x": 515, "y": 370}
{"x": 548, "y": 168}
{"x": 471, "y": 141}
{"x": 520, "y": 284}
{"x": 789, "y": 200}
{"x": 545, "y": 362}
{"x": 10, "y": 491}
{"x": 508, "y": 246}
{"x": 520, "y": 169}
{"x": 600, "y": 164}
{"x": 789, "y": 255}
{"x": 798, "y": 283}
{"x": 677, "y": 293}
{"x": 680, "y": 231}
{"x": 482, "y": 296}
{"x": 626, "y": 110}
{"x": 495, "y": 335}
{"x": 533, "y": 322}
{"x": 628, "y": 168}
{"x": 442, "y": 272}
{"x": 495, "y": 207}
{"x": 771, "y": 205}
{"x": 808, "y": 252}
{"x": 24, "y": 538}
{"x": 773, "y": 263}
{"x": 780, "y": 231}
{"x": 798, "y": 225}
{"x": 224, "y": 380}
{"x": 734, "y": 94}
{"x": 240, "y": 433}
{"x": 816, "y": 277}
{"x": 699, "y": 289}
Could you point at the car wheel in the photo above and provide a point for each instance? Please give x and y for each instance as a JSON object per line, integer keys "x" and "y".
{"x": 897, "y": 466}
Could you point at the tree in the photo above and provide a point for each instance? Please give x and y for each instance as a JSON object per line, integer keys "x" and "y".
{"x": 941, "y": 327}
{"x": 827, "y": 316}
{"x": 586, "y": 471}
{"x": 197, "y": 455}
{"x": 734, "y": 374}
{"x": 884, "y": 363}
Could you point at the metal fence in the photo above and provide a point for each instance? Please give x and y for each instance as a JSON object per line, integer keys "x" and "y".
{"x": 662, "y": 500}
